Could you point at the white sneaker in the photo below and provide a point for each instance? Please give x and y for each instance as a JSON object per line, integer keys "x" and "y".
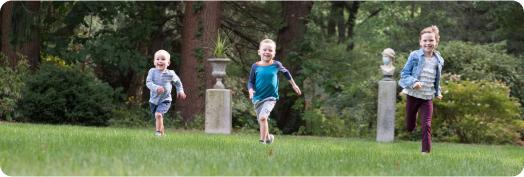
{"x": 157, "y": 133}
{"x": 271, "y": 139}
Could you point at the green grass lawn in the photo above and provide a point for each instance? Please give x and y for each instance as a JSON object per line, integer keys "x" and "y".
{"x": 30, "y": 149}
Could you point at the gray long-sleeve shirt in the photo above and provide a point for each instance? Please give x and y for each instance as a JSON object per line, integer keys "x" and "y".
{"x": 156, "y": 78}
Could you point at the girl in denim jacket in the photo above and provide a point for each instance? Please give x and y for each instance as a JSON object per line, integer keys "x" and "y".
{"x": 420, "y": 79}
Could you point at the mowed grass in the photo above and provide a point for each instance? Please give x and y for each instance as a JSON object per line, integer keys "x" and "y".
{"x": 31, "y": 149}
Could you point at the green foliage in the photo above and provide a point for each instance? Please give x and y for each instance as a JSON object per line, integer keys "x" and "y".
{"x": 117, "y": 38}
{"x": 471, "y": 112}
{"x": 114, "y": 52}
{"x": 222, "y": 47}
{"x": 316, "y": 123}
{"x": 11, "y": 85}
{"x": 134, "y": 117}
{"x": 66, "y": 95}
{"x": 485, "y": 62}
{"x": 520, "y": 127}
{"x": 197, "y": 123}
{"x": 342, "y": 84}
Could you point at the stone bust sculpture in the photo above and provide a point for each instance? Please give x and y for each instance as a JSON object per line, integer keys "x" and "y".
{"x": 388, "y": 57}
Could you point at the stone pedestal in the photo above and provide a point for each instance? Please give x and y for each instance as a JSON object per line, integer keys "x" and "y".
{"x": 218, "y": 111}
{"x": 387, "y": 90}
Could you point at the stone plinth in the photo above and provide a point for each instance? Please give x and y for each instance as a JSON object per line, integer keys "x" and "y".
{"x": 387, "y": 90}
{"x": 218, "y": 111}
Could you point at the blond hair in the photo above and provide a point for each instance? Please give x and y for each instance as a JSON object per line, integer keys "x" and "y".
{"x": 431, "y": 29}
{"x": 268, "y": 41}
{"x": 163, "y": 53}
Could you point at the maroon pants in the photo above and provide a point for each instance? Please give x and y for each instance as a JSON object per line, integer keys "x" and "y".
{"x": 425, "y": 110}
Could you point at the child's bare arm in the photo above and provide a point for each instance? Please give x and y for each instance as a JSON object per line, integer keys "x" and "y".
{"x": 251, "y": 91}
{"x": 181, "y": 95}
{"x": 295, "y": 87}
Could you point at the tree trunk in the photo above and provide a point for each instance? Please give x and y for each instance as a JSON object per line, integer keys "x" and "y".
{"x": 31, "y": 48}
{"x": 353, "y": 10}
{"x": 341, "y": 24}
{"x": 7, "y": 15}
{"x": 193, "y": 104}
{"x": 331, "y": 27}
{"x": 211, "y": 22}
{"x": 295, "y": 15}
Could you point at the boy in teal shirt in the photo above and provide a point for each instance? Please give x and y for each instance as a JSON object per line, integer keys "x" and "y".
{"x": 263, "y": 86}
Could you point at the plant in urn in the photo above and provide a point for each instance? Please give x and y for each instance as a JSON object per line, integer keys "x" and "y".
{"x": 219, "y": 63}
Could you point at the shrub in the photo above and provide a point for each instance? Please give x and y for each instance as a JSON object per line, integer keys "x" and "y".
{"x": 485, "y": 62}
{"x": 132, "y": 113}
{"x": 197, "y": 123}
{"x": 138, "y": 117}
{"x": 316, "y": 123}
{"x": 66, "y": 95}
{"x": 471, "y": 112}
{"x": 11, "y": 84}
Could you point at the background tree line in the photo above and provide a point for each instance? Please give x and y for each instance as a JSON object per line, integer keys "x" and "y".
{"x": 86, "y": 62}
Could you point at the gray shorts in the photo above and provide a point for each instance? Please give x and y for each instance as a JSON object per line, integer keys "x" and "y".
{"x": 264, "y": 107}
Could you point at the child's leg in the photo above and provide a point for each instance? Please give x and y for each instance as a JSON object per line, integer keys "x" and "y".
{"x": 264, "y": 128}
{"x": 158, "y": 116}
{"x": 412, "y": 106}
{"x": 426, "y": 110}
{"x": 162, "y": 124}
{"x": 263, "y": 110}
{"x": 153, "y": 108}
{"x": 159, "y": 122}
{"x": 162, "y": 109}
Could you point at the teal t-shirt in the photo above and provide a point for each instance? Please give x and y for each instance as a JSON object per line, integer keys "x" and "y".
{"x": 264, "y": 80}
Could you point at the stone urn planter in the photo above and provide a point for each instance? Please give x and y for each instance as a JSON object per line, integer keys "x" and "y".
{"x": 218, "y": 118}
{"x": 218, "y": 66}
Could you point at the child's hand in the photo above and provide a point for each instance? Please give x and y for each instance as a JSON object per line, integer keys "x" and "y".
{"x": 297, "y": 89}
{"x": 181, "y": 95}
{"x": 251, "y": 93}
{"x": 160, "y": 90}
{"x": 417, "y": 85}
{"x": 440, "y": 97}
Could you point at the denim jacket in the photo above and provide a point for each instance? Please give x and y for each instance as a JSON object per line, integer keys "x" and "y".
{"x": 411, "y": 71}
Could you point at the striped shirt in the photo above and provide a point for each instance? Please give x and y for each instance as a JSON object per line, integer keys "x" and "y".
{"x": 427, "y": 79}
{"x": 156, "y": 78}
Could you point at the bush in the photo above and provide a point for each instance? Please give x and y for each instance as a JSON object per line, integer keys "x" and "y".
{"x": 66, "y": 95}
{"x": 485, "y": 62}
{"x": 11, "y": 84}
{"x": 197, "y": 123}
{"x": 471, "y": 112}
{"x": 343, "y": 85}
{"x": 138, "y": 117}
{"x": 316, "y": 123}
